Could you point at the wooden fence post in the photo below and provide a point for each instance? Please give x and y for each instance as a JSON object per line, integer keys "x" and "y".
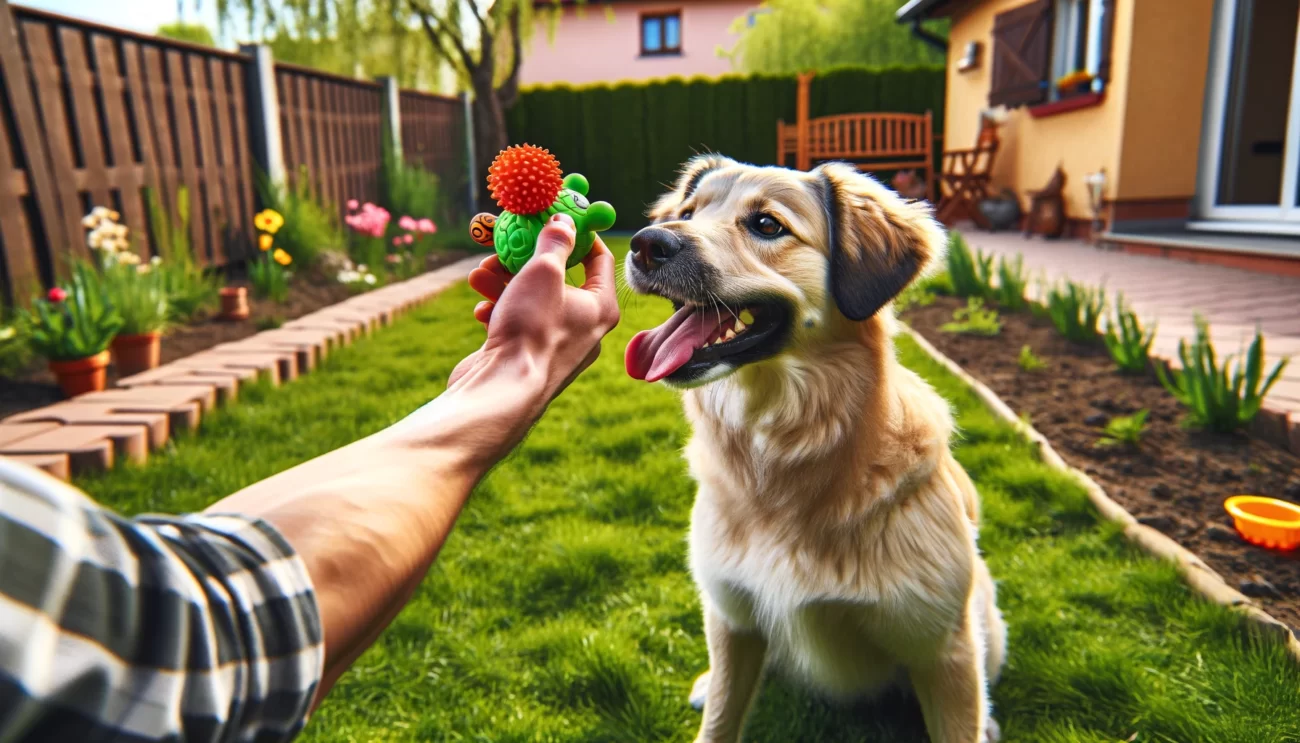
{"x": 471, "y": 168}
{"x": 801, "y": 155}
{"x": 264, "y": 112}
{"x": 392, "y": 114}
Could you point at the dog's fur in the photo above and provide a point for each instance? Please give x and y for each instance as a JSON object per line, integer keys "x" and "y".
{"x": 833, "y": 533}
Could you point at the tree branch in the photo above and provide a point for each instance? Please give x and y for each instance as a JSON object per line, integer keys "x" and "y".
{"x": 509, "y": 90}
{"x": 425, "y": 15}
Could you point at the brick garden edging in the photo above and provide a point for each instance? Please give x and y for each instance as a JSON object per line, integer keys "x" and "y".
{"x": 89, "y": 433}
{"x": 1200, "y": 576}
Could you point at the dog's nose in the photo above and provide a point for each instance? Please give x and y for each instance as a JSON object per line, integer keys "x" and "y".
{"x": 654, "y": 246}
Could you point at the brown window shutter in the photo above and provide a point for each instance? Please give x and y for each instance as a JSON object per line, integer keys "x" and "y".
{"x": 1022, "y": 55}
{"x": 1107, "y": 39}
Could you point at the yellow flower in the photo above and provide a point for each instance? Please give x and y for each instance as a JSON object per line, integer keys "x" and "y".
{"x": 264, "y": 242}
{"x": 282, "y": 257}
{"x": 268, "y": 220}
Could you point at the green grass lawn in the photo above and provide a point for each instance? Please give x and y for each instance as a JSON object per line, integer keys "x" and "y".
{"x": 561, "y": 608}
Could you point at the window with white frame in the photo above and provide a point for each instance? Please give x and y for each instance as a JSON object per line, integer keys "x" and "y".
{"x": 1077, "y": 40}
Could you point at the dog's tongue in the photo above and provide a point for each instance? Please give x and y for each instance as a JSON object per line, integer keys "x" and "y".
{"x": 654, "y": 354}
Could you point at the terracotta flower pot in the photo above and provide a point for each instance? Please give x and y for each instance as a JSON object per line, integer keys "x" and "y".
{"x": 234, "y": 303}
{"x": 137, "y": 353}
{"x": 79, "y": 376}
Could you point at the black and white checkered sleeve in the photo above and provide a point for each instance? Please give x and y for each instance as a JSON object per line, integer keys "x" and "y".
{"x": 159, "y": 628}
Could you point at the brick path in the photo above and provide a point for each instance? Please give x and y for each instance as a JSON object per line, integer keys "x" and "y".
{"x": 1171, "y": 292}
{"x": 94, "y": 431}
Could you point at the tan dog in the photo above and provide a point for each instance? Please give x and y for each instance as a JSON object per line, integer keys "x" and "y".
{"x": 833, "y": 533}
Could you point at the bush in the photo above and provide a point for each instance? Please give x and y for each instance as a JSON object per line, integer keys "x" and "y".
{"x": 74, "y": 322}
{"x": 1125, "y": 430}
{"x": 1012, "y": 280}
{"x": 269, "y": 277}
{"x": 969, "y": 272}
{"x": 1128, "y": 343}
{"x": 974, "y": 319}
{"x": 410, "y": 190}
{"x": 310, "y": 227}
{"x": 589, "y": 128}
{"x": 189, "y": 289}
{"x": 1217, "y": 400}
{"x": 1075, "y": 310}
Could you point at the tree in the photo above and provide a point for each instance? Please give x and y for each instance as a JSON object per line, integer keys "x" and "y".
{"x": 481, "y": 40}
{"x": 194, "y": 33}
{"x": 787, "y": 36}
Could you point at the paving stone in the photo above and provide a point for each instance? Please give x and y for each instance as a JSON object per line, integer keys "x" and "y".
{"x": 11, "y": 432}
{"x": 88, "y": 448}
{"x": 183, "y": 404}
{"x": 345, "y": 331}
{"x": 264, "y": 364}
{"x": 301, "y": 357}
{"x": 226, "y": 382}
{"x": 54, "y": 464}
{"x": 78, "y": 413}
{"x": 286, "y": 360}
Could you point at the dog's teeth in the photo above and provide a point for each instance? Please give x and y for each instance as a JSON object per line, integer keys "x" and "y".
{"x": 740, "y": 326}
{"x": 730, "y": 334}
{"x": 746, "y": 317}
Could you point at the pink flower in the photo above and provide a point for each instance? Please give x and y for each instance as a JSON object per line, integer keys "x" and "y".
{"x": 406, "y": 223}
{"x": 352, "y": 205}
{"x": 57, "y": 295}
{"x": 393, "y": 258}
{"x": 426, "y": 225}
{"x": 408, "y": 238}
{"x": 397, "y": 240}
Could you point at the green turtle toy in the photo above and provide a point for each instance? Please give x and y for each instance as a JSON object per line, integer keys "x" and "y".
{"x": 526, "y": 183}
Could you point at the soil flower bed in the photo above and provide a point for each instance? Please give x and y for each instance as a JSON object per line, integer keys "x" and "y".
{"x": 1175, "y": 480}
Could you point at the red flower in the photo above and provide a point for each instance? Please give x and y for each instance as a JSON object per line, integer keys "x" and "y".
{"x": 57, "y": 295}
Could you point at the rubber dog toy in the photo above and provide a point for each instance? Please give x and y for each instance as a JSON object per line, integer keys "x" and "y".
{"x": 1266, "y": 522}
{"x": 525, "y": 182}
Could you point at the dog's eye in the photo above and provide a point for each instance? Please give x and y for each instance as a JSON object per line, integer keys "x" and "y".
{"x": 766, "y": 225}
{"x": 686, "y": 214}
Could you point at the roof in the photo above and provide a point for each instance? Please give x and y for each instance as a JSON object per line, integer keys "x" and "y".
{"x": 918, "y": 10}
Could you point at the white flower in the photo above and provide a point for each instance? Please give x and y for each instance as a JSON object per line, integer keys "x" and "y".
{"x": 114, "y": 216}
{"x": 94, "y": 241}
{"x": 122, "y": 230}
{"x": 370, "y": 278}
{"x": 347, "y": 277}
{"x": 362, "y": 268}
{"x": 8, "y": 332}
{"x": 100, "y": 212}
{"x": 89, "y": 221}
{"x": 130, "y": 259}
{"x": 155, "y": 260}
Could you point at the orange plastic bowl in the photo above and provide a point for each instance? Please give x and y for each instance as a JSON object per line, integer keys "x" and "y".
{"x": 1267, "y": 522}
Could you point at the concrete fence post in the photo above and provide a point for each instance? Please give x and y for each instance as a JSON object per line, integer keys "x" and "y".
{"x": 471, "y": 168}
{"x": 392, "y": 113}
{"x": 264, "y": 112}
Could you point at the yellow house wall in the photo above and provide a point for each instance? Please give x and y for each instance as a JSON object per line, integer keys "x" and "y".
{"x": 1167, "y": 70}
{"x": 1080, "y": 141}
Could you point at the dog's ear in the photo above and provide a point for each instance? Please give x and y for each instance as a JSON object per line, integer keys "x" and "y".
{"x": 878, "y": 242}
{"x": 688, "y": 179}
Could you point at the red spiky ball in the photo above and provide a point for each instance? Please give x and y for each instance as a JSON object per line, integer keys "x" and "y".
{"x": 525, "y": 179}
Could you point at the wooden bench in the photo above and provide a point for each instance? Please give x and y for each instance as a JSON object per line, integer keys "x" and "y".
{"x": 869, "y": 141}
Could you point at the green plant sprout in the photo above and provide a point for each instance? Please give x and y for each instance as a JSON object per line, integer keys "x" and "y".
{"x": 1075, "y": 311}
{"x": 1220, "y": 398}
{"x": 1029, "y": 361}
{"x": 1125, "y": 430}
{"x": 974, "y": 319}
{"x": 1128, "y": 342}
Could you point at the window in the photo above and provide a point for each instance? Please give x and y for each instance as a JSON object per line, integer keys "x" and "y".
{"x": 1038, "y": 43}
{"x": 661, "y": 33}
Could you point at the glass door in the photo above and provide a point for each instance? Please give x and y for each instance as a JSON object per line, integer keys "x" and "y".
{"x": 1251, "y": 157}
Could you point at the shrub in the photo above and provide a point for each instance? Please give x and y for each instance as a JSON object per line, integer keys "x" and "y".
{"x": 1075, "y": 310}
{"x": 1029, "y": 361}
{"x": 1129, "y": 344}
{"x": 72, "y": 323}
{"x": 409, "y": 189}
{"x": 1125, "y": 430}
{"x": 1012, "y": 280}
{"x": 974, "y": 319}
{"x": 969, "y": 272}
{"x": 310, "y": 227}
{"x": 1218, "y": 398}
{"x": 270, "y": 277}
{"x": 139, "y": 297}
{"x": 189, "y": 289}
{"x": 15, "y": 351}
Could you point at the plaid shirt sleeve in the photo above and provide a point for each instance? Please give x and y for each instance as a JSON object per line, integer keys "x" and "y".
{"x": 198, "y": 628}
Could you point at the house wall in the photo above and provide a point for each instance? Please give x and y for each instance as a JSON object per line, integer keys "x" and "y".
{"x": 1167, "y": 70}
{"x": 602, "y": 43}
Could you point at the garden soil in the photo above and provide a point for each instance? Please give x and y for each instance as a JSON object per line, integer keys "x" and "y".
{"x": 1175, "y": 481}
{"x": 37, "y": 388}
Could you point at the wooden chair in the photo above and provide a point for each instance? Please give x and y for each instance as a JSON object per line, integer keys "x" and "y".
{"x": 869, "y": 141}
{"x": 966, "y": 180}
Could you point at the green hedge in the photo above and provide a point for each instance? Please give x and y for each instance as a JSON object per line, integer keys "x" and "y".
{"x": 629, "y": 139}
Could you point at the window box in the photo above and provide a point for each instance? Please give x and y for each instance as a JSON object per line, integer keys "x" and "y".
{"x": 1065, "y": 105}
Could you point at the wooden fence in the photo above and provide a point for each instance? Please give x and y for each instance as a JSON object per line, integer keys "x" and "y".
{"x": 92, "y": 116}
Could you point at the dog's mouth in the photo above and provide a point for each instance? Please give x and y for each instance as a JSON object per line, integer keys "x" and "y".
{"x": 699, "y": 340}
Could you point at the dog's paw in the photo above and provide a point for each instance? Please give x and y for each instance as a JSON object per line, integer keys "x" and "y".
{"x": 699, "y": 692}
{"x": 992, "y": 731}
